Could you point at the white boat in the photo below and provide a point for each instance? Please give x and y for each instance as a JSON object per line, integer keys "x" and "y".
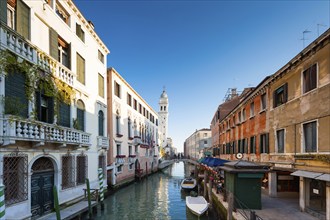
{"x": 197, "y": 205}
{"x": 188, "y": 183}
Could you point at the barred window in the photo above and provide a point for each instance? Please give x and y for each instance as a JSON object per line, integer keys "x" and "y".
{"x": 15, "y": 177}
{"x": 82, "y": 169}
{"x": 68, "y": 171}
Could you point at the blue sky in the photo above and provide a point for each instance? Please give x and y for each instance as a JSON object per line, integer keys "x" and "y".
{"x": 199, "y": 49}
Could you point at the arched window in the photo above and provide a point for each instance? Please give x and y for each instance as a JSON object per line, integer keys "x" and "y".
{"x": 101, "y": 123}
{"x": 80, "y": 115}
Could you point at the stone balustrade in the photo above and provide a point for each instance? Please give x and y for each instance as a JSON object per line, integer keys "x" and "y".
{"x": 102, "y": 142}
{"x": 14, "y": 129}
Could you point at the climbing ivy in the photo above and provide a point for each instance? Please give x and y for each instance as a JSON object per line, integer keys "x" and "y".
{"x": 36, "y": 79}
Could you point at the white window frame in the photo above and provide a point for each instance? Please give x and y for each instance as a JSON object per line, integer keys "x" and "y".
{"x": 303, "y": 149}
{"x": 263, "y": 108}
{"x": 12, "y": 18}
{"x": 276, "y": 142}
{"x": 252, "y": 108}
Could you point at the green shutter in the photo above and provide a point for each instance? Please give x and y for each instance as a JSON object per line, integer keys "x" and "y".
{"x": 23, "y": 19}
{"x": 64, "y": 114}
{"x": 3, "y": 11}
{"x": 50, "y": 115}
{"x": 80, "y": 69}
{"x": 38, "y": 105}
{"x": 53, "y": 43}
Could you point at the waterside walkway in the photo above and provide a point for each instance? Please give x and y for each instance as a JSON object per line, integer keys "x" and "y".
{"x": 279, "y": 208}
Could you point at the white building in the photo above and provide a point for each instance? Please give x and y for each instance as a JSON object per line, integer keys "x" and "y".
{"x": 195, "y": 144}
{"x": 133, "y": 132}
{"x": 52, "y": 122}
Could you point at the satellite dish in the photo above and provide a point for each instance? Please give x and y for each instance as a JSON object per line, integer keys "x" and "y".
{"x": 239, "y": 156}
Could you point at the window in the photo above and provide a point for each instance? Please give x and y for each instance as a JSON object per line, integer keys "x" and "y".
{"x": 100, "y": 56}
{"x": 44, "y": 107}
{"x": 264, "y": 143}
{"x": 130, "y": 150}
{"x": 118, "y": 125}
{"x": 243, "y": 114}
{"x": 129, "y": 123}
{"x": 117, "y": 89}
{"x": 310, "y": 137}
{"x": 239, "y": 117}
{"x": 80, "y": 69}
{"x": 11, "y": 16}
{"x": 68, "y": 171}
{"x": 309, "y": 79}
{"x": 263, "y": 102}
{"x": 63, "y": 52}
{"x": 205, "y": 142}
{"x": 102, "y": 165}
{"x": 101, "y": 123}
{"x": 129, "y": 99}
{"x": 80, "y": 121}
{"x": 280, "y": 141}
{"x": 164, "y": 108}
{"x": 252, "y": 109}
{"x": 64, "y": 114}
{"x": 16, "y": 102}
{"x": 280, "y": 95}
{"x": 81, "y": 169}
{"x": 101, "y": 86}
{"x": 140, "y": 108}
{"x": 136, "y": 149}
{"x": 120, "y": 168}
{"x": 118, "y": 149}
{"x": 62, "y": 13}
{"x": 23, "y": 19}
{"x": 234, "y": 121}
{"x": 253, "y": 145}
{"x": 135, "y": 104}
{"x": 15, "y": 177}
{"x": 80, "y": 33}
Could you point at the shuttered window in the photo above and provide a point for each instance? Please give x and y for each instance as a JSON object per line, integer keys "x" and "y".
{"x": 45, "y": 108}
{"x": 310, "y": 137}
{"x": 64, "y": 114}
{"x": 280, "y": 95}
{"x": 80, "y": 33}
{"x": 101, "y": 123}
{"x": 16, "y": 102}
{"x": 101, "y": 86}
{"x": 53, "y": 44}
{"x": 81, "y": 115}
{"x": 3, "y": 11}
{"x": 264, "y": 143}
{"x": 23, "y": 19}
{"x": 80, "y": 69}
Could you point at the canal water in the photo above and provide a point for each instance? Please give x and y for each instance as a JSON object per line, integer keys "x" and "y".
{"x": 158, "y": 196}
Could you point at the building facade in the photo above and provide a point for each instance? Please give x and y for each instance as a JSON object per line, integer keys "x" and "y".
{"x": 52, "y": 123}
{"x": 195, "y": 144}
{"x": 284, "y": 122}
{"x": 133, "y": 132}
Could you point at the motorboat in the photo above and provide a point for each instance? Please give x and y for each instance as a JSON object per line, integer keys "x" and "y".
{"x": 188, "y": 183}
{"x": 197, "y": 205}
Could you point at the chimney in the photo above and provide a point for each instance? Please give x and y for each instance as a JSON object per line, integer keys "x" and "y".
{"x": 91, "y": 24}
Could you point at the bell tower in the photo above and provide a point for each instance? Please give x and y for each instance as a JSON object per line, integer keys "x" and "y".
{"x": 163, "y": 117}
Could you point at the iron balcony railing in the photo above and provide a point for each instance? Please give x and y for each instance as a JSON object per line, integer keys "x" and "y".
{"x": 120, "y": 159}
{"x": 102, "y": 142}
{"x": 14, "y": 42}
{"x": 15, "y": 129}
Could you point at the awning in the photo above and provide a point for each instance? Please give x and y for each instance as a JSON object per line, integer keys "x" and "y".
{"x": 312, "y": 175}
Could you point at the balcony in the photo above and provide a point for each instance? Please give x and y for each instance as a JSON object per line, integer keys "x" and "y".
{"x": 14, "y": 42}
{"x": 16, "y": 129}
{"x": 120, "y": 159}
{"x": 131, "y": 158}
{"x": 102, "y": 143}
{"x": 137, "y": 140}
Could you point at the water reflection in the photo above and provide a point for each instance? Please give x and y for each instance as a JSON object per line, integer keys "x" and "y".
{"x": 157, "y": 197}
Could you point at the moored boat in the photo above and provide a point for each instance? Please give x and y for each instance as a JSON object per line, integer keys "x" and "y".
{"x": 197, "y": 205}
{"x": 188, "y": 183}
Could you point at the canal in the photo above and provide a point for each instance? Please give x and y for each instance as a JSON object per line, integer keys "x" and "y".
{"x": 158, "y": 196}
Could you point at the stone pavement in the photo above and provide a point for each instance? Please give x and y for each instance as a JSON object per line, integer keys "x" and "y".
{"x": 284, "y": 207}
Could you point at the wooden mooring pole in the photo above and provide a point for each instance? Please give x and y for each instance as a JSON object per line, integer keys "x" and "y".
{"x": 90, "y": 214}
{"x": 56, "y": 205}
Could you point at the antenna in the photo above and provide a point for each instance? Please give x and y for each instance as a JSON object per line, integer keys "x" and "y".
{"x": 303, "y": 39}
{"x": 318, "y": 28}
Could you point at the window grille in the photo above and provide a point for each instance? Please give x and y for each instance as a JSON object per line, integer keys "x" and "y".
{"x": 15, "y": 177}
{"x": 82, "y": 169}
{"x": 68, "y": 171}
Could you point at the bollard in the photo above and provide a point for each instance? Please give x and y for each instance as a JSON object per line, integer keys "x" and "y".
{"x": 56, "y": 205}
{"x": 89, "y": 199}
{"x": 2, "y": 203}
{"x": 252, "y": 215}
{"x": 101, "y": 188}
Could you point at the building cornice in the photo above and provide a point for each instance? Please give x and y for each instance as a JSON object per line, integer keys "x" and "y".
{"x": 87, "y": 25}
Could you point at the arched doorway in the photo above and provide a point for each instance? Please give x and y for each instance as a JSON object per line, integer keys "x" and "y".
{"x": 42, "y": 182}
